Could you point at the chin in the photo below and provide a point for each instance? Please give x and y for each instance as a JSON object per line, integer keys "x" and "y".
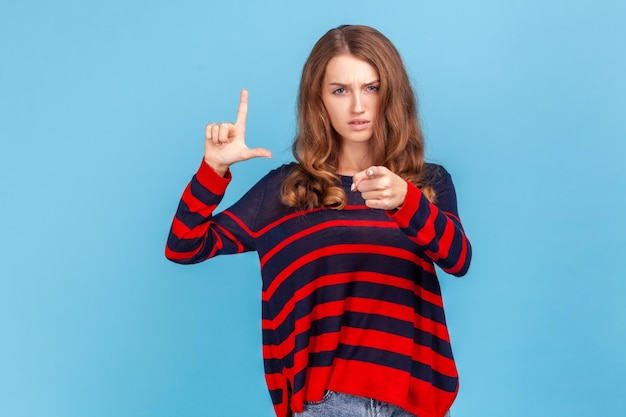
{"x": 356, "y": 138}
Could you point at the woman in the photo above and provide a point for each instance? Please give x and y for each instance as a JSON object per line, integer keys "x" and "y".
{"x": 347, "y": 238}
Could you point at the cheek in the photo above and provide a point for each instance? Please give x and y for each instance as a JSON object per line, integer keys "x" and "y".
{"x": 333, "y": 112}
{"x": 329, "y": 114}
{"x": 374, "y": 102}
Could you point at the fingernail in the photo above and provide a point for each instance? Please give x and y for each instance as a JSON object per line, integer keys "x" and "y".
{"x": 370, "y": 172}
{"x": 353, "y": 187}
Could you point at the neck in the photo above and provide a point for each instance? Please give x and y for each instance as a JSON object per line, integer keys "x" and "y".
{"x": 354, "y": 158}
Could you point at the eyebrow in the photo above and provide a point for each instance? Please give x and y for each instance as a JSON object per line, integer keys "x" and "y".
{"x": 335, "y": 84}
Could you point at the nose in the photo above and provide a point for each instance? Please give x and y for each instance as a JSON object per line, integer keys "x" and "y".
{"x": 357, "y": 104}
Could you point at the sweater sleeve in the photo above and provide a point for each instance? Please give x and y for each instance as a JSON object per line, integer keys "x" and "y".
{"x": 436, "y": 227}
{"x": 196, "y": 233}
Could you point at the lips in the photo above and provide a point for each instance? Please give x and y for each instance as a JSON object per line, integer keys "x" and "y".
{"x": 359, "y": 124}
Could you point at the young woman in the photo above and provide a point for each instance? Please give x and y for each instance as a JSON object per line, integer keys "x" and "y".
{"x": 347, "y": 238}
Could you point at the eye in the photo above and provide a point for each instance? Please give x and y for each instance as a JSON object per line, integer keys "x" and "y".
{"x": 373, "y": 88}
{"x": 339, "y": 91}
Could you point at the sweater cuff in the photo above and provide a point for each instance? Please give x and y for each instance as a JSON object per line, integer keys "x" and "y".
{"x": 211, "y": 180}
{"x": 405, "y": 213}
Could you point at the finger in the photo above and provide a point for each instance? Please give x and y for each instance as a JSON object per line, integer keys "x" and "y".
{"x": 242, "y": 113}
{"x": 225, "y": 130}
{"x": 375, "y": 204}
{"x": 371, "y": 195}
{"x": 215, "y": 134}
{"x": 373, "y": 172}
{"x": 356, "y": 180}
{"x": 257, "y": 153}
{"x": 366, "y": 174}
{"x": 208, "y": 131}
{"x": 375, "y": 193}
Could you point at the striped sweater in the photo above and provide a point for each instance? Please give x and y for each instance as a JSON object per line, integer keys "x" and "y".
{"x": 350, "y": 298}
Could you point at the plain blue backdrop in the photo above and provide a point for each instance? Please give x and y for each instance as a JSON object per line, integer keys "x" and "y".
{"x": 103, "y": 107}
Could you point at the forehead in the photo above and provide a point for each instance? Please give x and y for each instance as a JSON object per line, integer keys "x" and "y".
{"x": 348, "y": 68}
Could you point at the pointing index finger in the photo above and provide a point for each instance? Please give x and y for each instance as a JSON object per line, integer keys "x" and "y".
{"x": 242, "y": 113}
{"x": 367, "y": 174}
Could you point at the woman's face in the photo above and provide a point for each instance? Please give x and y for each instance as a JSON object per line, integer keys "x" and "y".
{"x": 350, "y": 95}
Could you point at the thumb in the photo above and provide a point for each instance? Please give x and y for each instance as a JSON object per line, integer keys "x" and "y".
{"x": 257, "y": 153}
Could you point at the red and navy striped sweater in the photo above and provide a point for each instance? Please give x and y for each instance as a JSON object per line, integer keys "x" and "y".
{"x": 350, "y": 298}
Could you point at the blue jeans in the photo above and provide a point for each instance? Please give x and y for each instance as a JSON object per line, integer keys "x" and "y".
{"x": 336, "y": 404}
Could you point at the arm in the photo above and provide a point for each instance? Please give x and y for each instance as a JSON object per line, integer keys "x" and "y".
{"x": 435, "y": 227}
{"x": 196, "y": 234}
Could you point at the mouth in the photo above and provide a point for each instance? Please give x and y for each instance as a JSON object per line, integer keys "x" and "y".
{"x": 359, "y": 124}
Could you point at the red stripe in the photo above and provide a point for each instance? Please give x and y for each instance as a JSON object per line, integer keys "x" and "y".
{"x": 195, "y": 205}
{"x": 409, "y": 208}
{"x": 427, "y": 233}
{"x": 197, "y": 232}
{"x": 282, "y": 219}
{"x": 445, "y": 242}
{"x": 386, "y": 342}
{"x": 317, "y": 380}
{"x": 269, "y": 226}
{"x": 432, "y": 401}
{"x": 275, "y": 381}
{"x": 447, "y": 213}
{"x": 230, "y": 237}
{"x": 377, "y": 340}
{"x": 328, "y": 341}
{"x": 172, "y": 254}
{"x": 392, "y": 384}
{"x": 336, "y": 279}
{"x": 429, "y": 326}
{"x": 323, "y": 226}
{"x": 337, "y": 308}
{"x": 278, "y": 381}
{"x": 343, "y": 249}
{"x": 181, "y": 231}
{"x": 211, "y": 180}
{"x": 381, "y": 379}
{"x": 441, "y": 364}
{"x": 462, "y": 258}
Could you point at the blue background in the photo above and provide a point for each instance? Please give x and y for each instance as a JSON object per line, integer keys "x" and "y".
{"x": 103, "y": 107}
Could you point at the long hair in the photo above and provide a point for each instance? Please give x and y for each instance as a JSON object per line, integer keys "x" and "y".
{"x": 397, "y": 142}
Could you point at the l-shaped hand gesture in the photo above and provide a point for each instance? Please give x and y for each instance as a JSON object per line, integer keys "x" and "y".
{"x": 224, "y": 143}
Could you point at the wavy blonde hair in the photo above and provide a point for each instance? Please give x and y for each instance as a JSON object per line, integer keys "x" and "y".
{"x": 397, "y": 142}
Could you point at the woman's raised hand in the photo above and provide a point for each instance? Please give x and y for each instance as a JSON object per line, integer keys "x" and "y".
{"x": 224, "y": 143}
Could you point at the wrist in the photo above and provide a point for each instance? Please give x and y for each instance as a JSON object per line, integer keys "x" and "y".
{"x": 220, "y": 169}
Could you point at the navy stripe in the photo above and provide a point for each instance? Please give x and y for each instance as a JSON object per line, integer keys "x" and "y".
{"x": 388, "y": 359}
{"x": 439, "y": 380}
{"x": 275, "y": 366}
{"x": 189, "y": 219}
{"x": 299, "y": 379}
{"x": 371, "y": 355}
{"x": 375, "y": 322}
{"x": 367, "y": 290}
{"x": 276, "y": 395}
{"x": 433, "y": 342}
{"x": 367, "y": 322}
{"x": 345, "y": 263}
{"x": 183, "y": 245}
{"x": 203, "y": 194}
{"x": 384, "y": 237}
